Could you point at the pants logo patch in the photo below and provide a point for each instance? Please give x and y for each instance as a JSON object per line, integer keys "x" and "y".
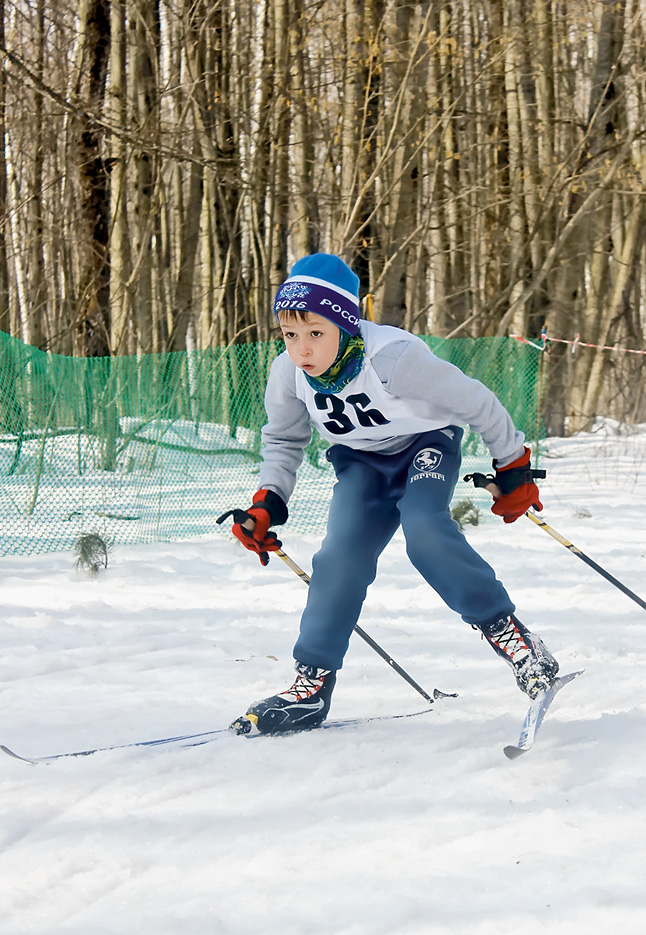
{"x": 428, "y": 459}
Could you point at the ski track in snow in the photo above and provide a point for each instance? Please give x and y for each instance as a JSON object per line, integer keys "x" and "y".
{"x": 410, "y": 827}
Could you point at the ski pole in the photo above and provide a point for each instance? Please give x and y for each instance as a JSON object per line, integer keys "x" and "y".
{"x": 369, "y": 640}
{"x": 482, "y": 480}
{"x": 586, "y": 558}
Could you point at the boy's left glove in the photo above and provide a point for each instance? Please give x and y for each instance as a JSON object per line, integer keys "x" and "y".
{"x": 517, "y": 488}
{"x": 268, "y": 509}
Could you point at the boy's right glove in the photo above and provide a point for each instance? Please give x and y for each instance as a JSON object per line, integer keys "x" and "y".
{"x": 515, "y": 483}
{"x": 517, "y": 487}
{"x": 268, "y": 508}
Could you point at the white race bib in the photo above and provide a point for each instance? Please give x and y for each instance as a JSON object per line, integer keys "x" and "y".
{"x": 364, "y": 412}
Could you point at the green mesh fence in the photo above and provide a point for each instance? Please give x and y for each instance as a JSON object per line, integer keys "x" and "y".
{"x": 152, "y": 448}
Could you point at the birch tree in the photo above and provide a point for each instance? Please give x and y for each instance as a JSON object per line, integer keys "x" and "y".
{"x": 5, "y": 313}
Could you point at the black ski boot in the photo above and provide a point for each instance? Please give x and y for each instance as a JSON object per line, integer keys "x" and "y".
{"x": 533, "y": 665}
{"x": 304, "y": 705}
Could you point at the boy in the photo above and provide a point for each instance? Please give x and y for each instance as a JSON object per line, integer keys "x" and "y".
{"x": 391, "y": 411}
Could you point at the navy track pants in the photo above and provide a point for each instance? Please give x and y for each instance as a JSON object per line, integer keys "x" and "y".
{"x": 374, "y": 494}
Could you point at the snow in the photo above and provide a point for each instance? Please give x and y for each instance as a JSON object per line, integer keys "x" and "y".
{"x": 418, "y": 826}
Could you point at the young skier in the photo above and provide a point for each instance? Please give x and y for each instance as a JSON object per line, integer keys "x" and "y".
{"x": 392, "y": 412}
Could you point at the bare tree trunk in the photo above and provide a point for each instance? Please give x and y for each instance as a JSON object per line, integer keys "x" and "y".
{"x": 606, "y": 125}
{"x": 93, "y": 319}
{"x": 16, "y": 238}
{"x": 208, "y": 331}
{"x": 305, "y": 233}
{"x": 397, "y": 220}
{"x": 37, "y": 309}
{"x": 517, "y": 166}
{"x": 213, "y": 91}
{"x": 121, "y": 337}
{"x": 619, "y": 300}
{"x": 188, "y": 233}
{"x": 450, "y": 266}
{"x": 350, "y": 155}
{"x": 5, "y": 311}
{"x": 277, "y": 194}
{"x": 433, "y": 181}
{"x": 143, "y": 22}
{"x": 253, "y": 146}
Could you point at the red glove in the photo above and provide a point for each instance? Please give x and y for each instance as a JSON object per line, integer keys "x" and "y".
{"x": 517, "y": 488}
{"x": 268, "y": 508}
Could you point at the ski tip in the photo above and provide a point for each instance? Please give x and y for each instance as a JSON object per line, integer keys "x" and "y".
{"x": 569, "y": 676}
{"x": 16, "y": 756}
{"x": 562, "y": 680}
{"x": 512, "y": 752}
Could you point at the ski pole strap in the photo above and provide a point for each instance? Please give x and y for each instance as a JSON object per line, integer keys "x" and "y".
{"x": 239, "y": 516}
{"x": 478, "y": 480}
{"x": 506, "y": 484}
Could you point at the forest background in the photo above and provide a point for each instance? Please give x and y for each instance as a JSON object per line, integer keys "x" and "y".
{"x": 480, "y": 163}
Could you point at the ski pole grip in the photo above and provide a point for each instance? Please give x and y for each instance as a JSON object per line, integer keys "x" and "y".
{"x": 239, "y": 516}
{"x": 486, "y": 481}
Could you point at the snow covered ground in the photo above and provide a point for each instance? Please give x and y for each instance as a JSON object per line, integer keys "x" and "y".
{"x": 406, "y": 827}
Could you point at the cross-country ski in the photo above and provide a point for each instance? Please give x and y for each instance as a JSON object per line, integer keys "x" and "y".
{"x": 196, "y": 740}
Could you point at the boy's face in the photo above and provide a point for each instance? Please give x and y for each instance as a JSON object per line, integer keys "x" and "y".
{"x": 312, "y": 342}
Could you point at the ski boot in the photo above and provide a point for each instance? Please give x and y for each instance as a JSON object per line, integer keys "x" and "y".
{"x": 304, "y": 705}
{"x": 533, "y": 665}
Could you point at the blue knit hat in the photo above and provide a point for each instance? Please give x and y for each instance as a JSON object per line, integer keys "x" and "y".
{"x": 323, "y": 285}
